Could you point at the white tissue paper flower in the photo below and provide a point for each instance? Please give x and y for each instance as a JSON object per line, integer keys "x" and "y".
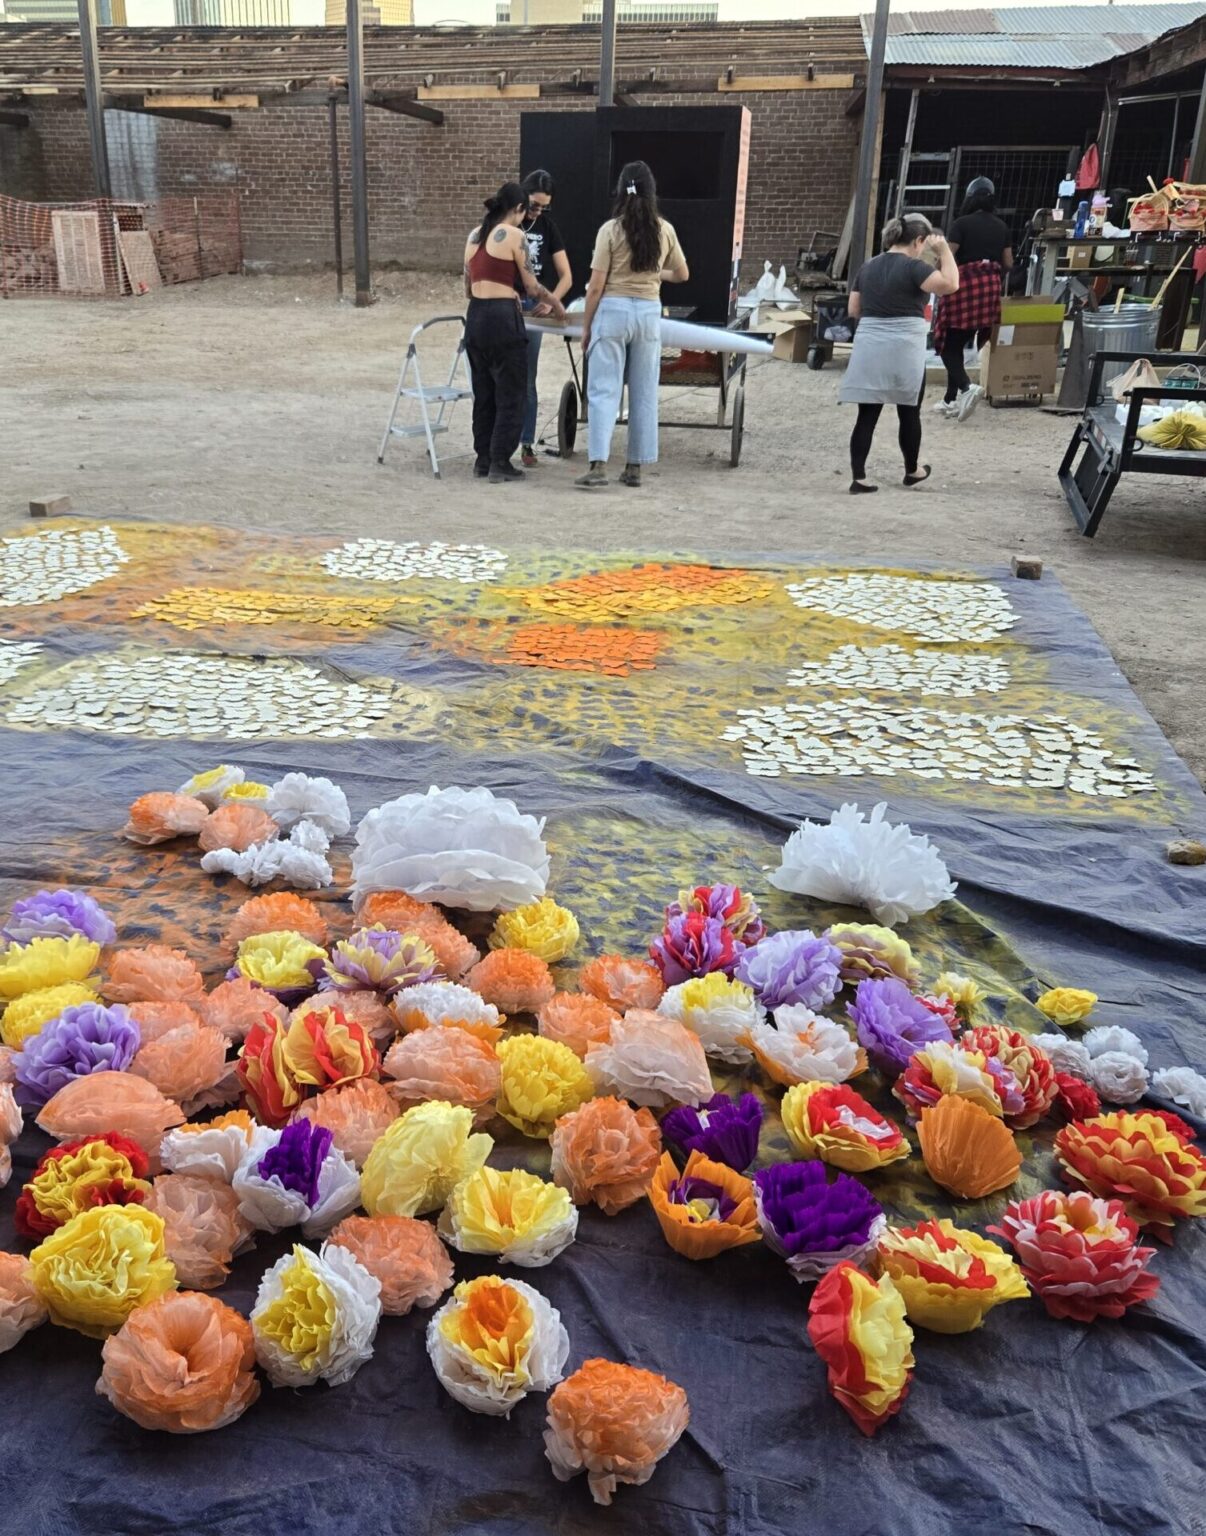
{"x": 487, "y": 1373}
{"x": 1066, "y": 1055}
{"x": 652, "y": 1060}
{"x": 862, "y": 861}
{"x": 310, "y": 836}
{"x": 269, "y": 1205}
{"x": 10, "y": 1129}
{"x": 802, "y": 1047}
{"x": 299, "y": 797}
{"x": 461, "y": 848}
{"x": 433, "y": 1003}
{"x": 1118, "y": 1077}
{"x": 1112, "y": 1038}
{"x": 334, "y": 1351}
{"x": 1183, "y": 1086}
{"x": 298, "y": 860}
{"x": 511, "y": 1214}
{"x": 210, "y": 787}
{"x": 717, "y": 1010}
{"x": 217, "y": 1151}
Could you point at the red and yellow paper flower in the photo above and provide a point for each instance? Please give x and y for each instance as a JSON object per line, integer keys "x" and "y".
{"x": 943, "y": 1068}
{"x": 271, "y": 1090}
{"x": 706, "y": 1209}
{"x": 950, "y": 1278}
{"x": 1029, "y": 1063}
{"x": 323, "y": 1047}
{"x": 832, "y": 1122}
{"x": 1138, "y": 1159}
{"x": 859, "y": 1329}
{"x": 80, "y": 1174}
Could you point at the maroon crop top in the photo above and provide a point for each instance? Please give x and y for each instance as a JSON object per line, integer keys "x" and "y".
{"x": 484, "y": 268}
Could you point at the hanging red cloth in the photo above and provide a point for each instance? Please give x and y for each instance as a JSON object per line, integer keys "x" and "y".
{"x": 1088, "y": 172}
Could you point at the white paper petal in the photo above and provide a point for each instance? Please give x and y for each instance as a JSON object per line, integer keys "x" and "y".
{"x": 270, "y": 1207}
{"x": 1112, "y": 1037}
{"x": 299, "y": 797}
{"x": 649, "y": 1065}
{"x": 718, "y": 1024}
{"x": 357, "y": 1297}
{"x": 1067, "y": 1055}
{"x": 1118, "y": 1077}
{"x": 338, "y": 1194}
{"x": 310, "y": 836}
{"x": 809, "y": 1048}
{"x": 484, "y": 1391}
{"x": 217, "y": 1153}
{"x": 1183, "y": 1086}
{"x": 211, "y": 794}
{"x": 439, "y": 1001}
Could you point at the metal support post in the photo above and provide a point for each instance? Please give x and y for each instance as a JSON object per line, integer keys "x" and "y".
{"x": 607, "y": 56}
{"x": 360, "y": 227}
{"x": 92, "y": 98}
{"x": 864, "y": 214}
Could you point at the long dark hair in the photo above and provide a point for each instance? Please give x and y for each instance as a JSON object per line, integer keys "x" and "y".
{"x": 636, "y": 209}
{"x": 981, "y": 197}
{"x": 538, "y": 181}
{"x": 508, "y": 197}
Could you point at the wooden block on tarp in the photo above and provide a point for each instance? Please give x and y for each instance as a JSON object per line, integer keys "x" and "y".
{"x": 50, "y": 506}
{"x": 1025, "y": 568}
{"x": 138, "y": 258}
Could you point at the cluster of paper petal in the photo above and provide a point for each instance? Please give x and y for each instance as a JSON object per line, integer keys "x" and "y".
{"x": 155, "y": 1020}
{"x": 1117, "y": 1063}
{"x": 81, "y": 1040}
{"x": 379, "y": 959}
{"x": 803, "y": 1047}
{"x": 283, "y": 963}
{"x": 966, "y": 1150}
{"x": 607, "y": 1152}
{"x": 613, "y": 1422}
{"x": 813, "y": 1221}
{"x": 494, "y": 1341}
{"x": 279, "y": 912}
{"x": 869, "y": 952}
{"x": 693, "y": 944}
{"x": 154, "y": 973}
{"x": 1030, "y": 1065}
{"x": 831, "y": 1122}
{"x": 511, "y": 1214}
{"x": 576, "y": 1019}
{"x": 397, "y": 910}
{"x": 95, "y": 1269}
{"x": 442, "y": 1003}
{"x": 622, "y": 984}
{"x": 315, "y": 1317}
{"x": 737, "y": 910}
{"x": 355, "y": 1113}
{"x": 651, "y": 1060}
{"x": 891, "y": 1023}
{"x": 236, "y": 827}
{"x": 405, "y": 1256}
{"x": 21, "y": 1308}
{"x": 725, "y": 1130}
{"x": 26, "y": 1014}
{"x": 950, "y": 1278}
{"x": 792, "y": 968}
{"x": 186, "y": 1063}
{"x": 449, "y": 1064}
{"x": 46, "y": 963}
{"x": 541, "y": 927}
{"x": 211, "y": 784}
{"x": 10, "y": 1128}
{"x": 111, "y": 1101}
{"x": 861, "y": 861}
{"x": 58, "y": 914}
{"x": 540, "y": 1081}
{"x": 705, "y": 1210}
{"x": 77, "y": 1176}
{"x": 203, "y": 1226}
{"x": 323, "y": 1047}
{"x": 719, "y": 1010}
{"x": 424, "y": 1154}
{"x": 214, "y": 1148}
{"x": 514, "y": 980}
{"x": 269, "y": 1086}
{"x": 1066, "y": 1055}
{"x": 300, "y": 1178}
{"x": 299, "y": 797}
{"x": 158, "y": 817}
{"x": 1067, "y": 1006}
{"x": 964, "y": 993}
{"x": 1154, "y": 1169}
{"x": 299, "y": 859}
{"x": 943, "y": 1068}
{"x": 1183, "y": 1086}
{"x": 859, "y": 1328}
{"x": 461, "y": 848}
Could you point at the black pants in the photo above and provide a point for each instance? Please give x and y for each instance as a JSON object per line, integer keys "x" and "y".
{"x": 908, "y": 435}
{"x": 497, "y": 345}
{"x": 952, "y": 360}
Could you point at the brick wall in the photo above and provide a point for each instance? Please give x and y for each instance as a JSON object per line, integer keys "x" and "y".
{"x": 426, "y": 182}
{"x": 22, "y": 173}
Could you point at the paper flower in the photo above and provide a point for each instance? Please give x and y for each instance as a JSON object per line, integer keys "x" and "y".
{"x": 707, "y": 1209}
{"x": 203, "y": 1227}
{"x": 315, "y": 1318}
{"x": 302, "y": 1178}
{"x": 1119, "y": 1078}
{"x": 96, "y": 1268}
{"x": 212, "y": 784}
{"x": 11, "y": 1121}
{"x": 724, "y": 1130}
{"x": 298, "y": 797}
{"x": 58, "y": 914}
{"x": 21, "y": 1308}
{"x": 1139, "y": 1160}
{"x": 793, "y": 967}
{"x": 413, "y": 1167}
{"x": 1067, "y": 1006}
{"x": 615, "y": 1423}
{"x": 44, "y": 963}
{"x": 356, "y": 1114}
{"x": 155, "y": 1020}
{"x": 323, "y": 1048}
{"x": 950, "y": 1278}
{"x": 380, "y": 960}
{"x": 576, "y": 1019}
{"x": 693, "y": 944}
{"x": 154, "y": 974}
{"x": 438, "y": 1003}
{"x": 245, "y": 792}
{"x": 857, "y": 1326}
{"x": 236, "y": 826}
{"x": 1080, "y": 1255}
{"x": 111, "y": 1101}
{"x": 606, "y": 1151}
{"x": 1029, "y": 1063}
{"x": 1180, "y": 1084}
{"x": 26, "y": 1014}
{"x": 298, "y": 860}
{"x": 540, "y": 1081}
{"x": 280, "y": 912}
{"x": 494, "y": 1341}
{"x": 966, "y": 1150}
{"x": 964, "y": 993}
{"x": 728, "y": 904}
{"x": 945, "y": 1068}
{"x": 449, "y": 1064}
{"x": 462, "y": 848}
{"x": 831, "y": 1122}
{"x": 184, "y": 1363}
{"x": 542, "y": 928}
{"x": 1065, "y": 1055}
{"x": 622, "y": 984}
{"x": 1076, "y": 1100}
{"x": 511, "y": 1214}
{"x": 271, "y": 1090}
{"x": 214, "y": 1147}
{"x": 233, "y": 1007}
{"x": 1112, "y": 1039}
{"x": 78, "y": 1175}
{"x": 719, "y": 1010}
{"x": 870, "y": 952}
{"x": 652, "y": 1060}
{"x": 891, "y": 1023}
{"x": 397, "y": 910}
{"x": 284, "y": 964}
{"x": 370, "y": 1010}
{"x": 404, "y": 1256}
{"x": 513, "y": 980}
{"x": 84, "y": 1039}
{"x": 813, "y": 1222}
{"x": 183, "y": 1063}
{"x": 803, "y": 1047}
{"x": 158, "y": 817}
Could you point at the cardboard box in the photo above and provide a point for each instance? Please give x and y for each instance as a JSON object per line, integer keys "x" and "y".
{"x": 1080, "y": 256}
{"x": 1023, "y": 355}
{"x": 792, "y": 343}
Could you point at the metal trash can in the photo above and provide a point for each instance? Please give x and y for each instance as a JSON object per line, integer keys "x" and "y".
{"x": 1130, "y": 329}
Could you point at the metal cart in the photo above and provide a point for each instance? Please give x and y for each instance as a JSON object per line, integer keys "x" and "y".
{"x": 831, "y": 326}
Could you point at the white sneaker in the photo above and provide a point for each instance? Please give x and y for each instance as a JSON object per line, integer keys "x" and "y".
{"x": 944, "y": 408}
{"x": 968, "y": 401}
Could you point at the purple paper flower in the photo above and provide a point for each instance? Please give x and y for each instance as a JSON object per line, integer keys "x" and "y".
{"x": 737, "y": 911}
{"x": 381, "y": 960}
{"x": 83, "y": 1039}
{"x": 57, "y": 915}
{"x": 891, "y": 1023}
{"x": 813, "y": 1221}
{"x": 722, "y": 1130}
{"x": 693, "y": 944}
{"x": 296, "y": 1160}
{"x": 709, "y": 1201}
{"x": 792, "y": 967}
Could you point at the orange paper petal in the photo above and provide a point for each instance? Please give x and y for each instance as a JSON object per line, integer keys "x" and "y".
{"x": 615, "y": 1422}
{"x": 233, "y": 1007}
{"x": 623, "y": 984}
{"x": 967, "y": 1150}
{"x": 184, "y": 1062}
{"x": 154, "y": 1020}
{"x": 514, "y": 980}
{"x": 237, "y": 825}
{"x": 577, "y": 1019}
{"x": 403, "y": 1253}
{"x": 606, "y": 1151}
{"x": 156, "y": 817}
{"x": 450, "y": 1064}
{"x": 356, "y": 1113}
{"x": 202, "y": 1227}
{"x": 403, "y": 914}
{"x": 111, "y": 1101}
{"x": 696, "y": 1239}
{"x": 278, "y": 912}
{"x": 21, "y": 1308}
{"x": 153, "y": 974}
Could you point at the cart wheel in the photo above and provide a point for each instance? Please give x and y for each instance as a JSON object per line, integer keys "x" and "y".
{"x": 567, "y": 420}
{"x": 738, "y": 426}
{"x": 816, "y": 358}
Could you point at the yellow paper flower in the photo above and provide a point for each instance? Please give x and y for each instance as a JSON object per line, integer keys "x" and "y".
{"x": 882, "y": 1337}
{"x": 541, "y": 1080}
{"x": 25, "y": 1016}
{"x": 44, "y": 963}
{"x": 302, "y": 1317}
{"x": 94, "y": 1271}
{"x": 509, "y": 1213}
{"x": 278, "y": 961}
{"x": 493, "y": 1324}
{"x": 248, "y": 792}
{"x": 542, "y": 928}
{"x": 966, "y": 994}
{"x": 415, "y": 1164}
{"x": 1066, "y": 1006}
{"x": 210, "y": 785}
{"x": 950, "y": 1278}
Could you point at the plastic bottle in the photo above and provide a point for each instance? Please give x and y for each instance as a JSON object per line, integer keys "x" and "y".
{"x": 1082, "y": 219}
{"x": 1097, "y": 213}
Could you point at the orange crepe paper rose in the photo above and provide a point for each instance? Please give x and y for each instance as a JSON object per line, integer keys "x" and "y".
{"x": 706, "y": 1209}
{"x": 832, "y": 1122}
{"x": 21, "y": 1308}
{"x": 234, "y": 1006}
{"x": 514, "y": 980}
{"x": 271, "y": 1090}
{"x": 202, "y": 1226}
{"x": 1029, "y": 1063}
{"x": 623, "y": 984}
{"x": 449, "y": 1064}
{"x": 615, "y": 1422}
{"x": 155, "y": 1020}
{"x": 111, "y": 1101}
{"x": 153, "y": 974}
{"x": 158, "y": 817}
{"x": 578, "y": 1020}
{"x": 278, "y": 912}
{"x": 607, "y": 1152}
{"x": 323, "y": 1048}
{"x": 183, "y": 1063}
{"x": 237, "y": 826}
{"x": 403, "y": 914}
{"x": 858, "y": 1328}
{"x": 355, "y": 1113}
{"x": 967, "y": 1150}
{"x": 403, "y": 1253}
{"x": 184, "y": 1363}
{"x": 1159, "y": 1176}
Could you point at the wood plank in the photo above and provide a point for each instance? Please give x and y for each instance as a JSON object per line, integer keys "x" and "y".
{"x": 478, "y": 93}
{"x": 786, "y": 83}
{"x": 77, "y": 251}
{"x": 210, "y": 103}
{"x": 138, "y": 258}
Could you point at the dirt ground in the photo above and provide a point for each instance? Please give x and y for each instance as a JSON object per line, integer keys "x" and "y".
{"x": 261, "y": 402}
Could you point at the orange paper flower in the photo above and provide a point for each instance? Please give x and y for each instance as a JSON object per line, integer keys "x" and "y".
{"x": 278, "y": 912}
{"x": 623, "y": 984}
{"x": 234, "y": 1006}
{"x": 21, "y": 1308}
{"x": 615, "y": 1422}
{"x": 606, "y": 1151}
{"x": 356, "y": 1113}
{"x": 153, "y": 974}
{"x": 450, "y": 1064}
{"x": 111, "y": 1101}
{"x": 967, "y": 1150}
{"x": 184, "y": 1062}
{"x": 578, "y": 1020}
{"x": 371, "y": 1011}
{"x": 202, "y": 1226}
{"x": 323, "y": 1047}
{"x": 403, "y": 914}
{"x": 1159, "y": 1176}
{"x": 706, "y": 1209}
{"x": 155, "y": 1020}
{"x": 1029, "y": 1063}
{"x": 157, "y": 817}
{"x": 514, "y": 980}
{"x": 237, "y": 825}
{"x": 403, "y": 1253}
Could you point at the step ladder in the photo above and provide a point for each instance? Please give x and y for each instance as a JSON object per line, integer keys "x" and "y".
{"x": 436, "y": 401}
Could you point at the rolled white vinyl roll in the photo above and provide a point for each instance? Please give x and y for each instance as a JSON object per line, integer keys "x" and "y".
{"x": 675, "y": 333}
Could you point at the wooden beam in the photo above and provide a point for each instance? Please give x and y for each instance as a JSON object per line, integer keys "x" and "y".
{"x": 407, "y": 106}
{"x": 203, "y": 103}
{"x": 1168, "y": 55}
{"x": 786, "y": 83}
{"x": 181, "y": 114}
{"x": 478, "y": 93}
{"x": 14, "y": 119}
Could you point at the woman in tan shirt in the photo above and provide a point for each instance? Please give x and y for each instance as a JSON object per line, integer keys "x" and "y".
{"x": 636, "y": 251}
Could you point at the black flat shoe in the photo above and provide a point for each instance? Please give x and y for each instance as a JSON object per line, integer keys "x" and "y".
{"x": 481, "y": 468}
{"x": 858, "y": 489}
{"x": 917, "y": 479}
{"x": 499, "y": 473}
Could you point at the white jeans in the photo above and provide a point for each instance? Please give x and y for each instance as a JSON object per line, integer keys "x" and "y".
{"x": 626, "y": 342}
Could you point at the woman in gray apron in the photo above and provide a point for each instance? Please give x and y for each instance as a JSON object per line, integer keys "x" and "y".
{"x": 888, "y": 298}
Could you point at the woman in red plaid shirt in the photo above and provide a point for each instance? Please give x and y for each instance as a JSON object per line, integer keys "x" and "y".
{"x": 983, "y": 250}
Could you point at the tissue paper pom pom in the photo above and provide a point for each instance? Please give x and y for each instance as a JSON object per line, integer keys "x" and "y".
{"x": 413, "y": 1167}
{"x": 857, "y": 1326}
{"x": 154, "y": 974}
{"x": 102, "y": 1264}
{"x": 111, "y": 1101}
{"x": 1028, "y": 1062}
{"x": 1079, "y": 1254}
{"x": 283, "y": 963}
{"x": 720, "y": 1011}
{"x": 402, "y": 913}
{"x": 462, "y": 848}
{"x": 606, "y": 1151}
{"x": 26, "y": 1015}
{"x": 10, "y": 1128}
{"x": 870, "y": 952}
{"x": 245, "y": 792}
{"x": 155, "y": 1020}
{"x": 1074, "y": 1099}
{"x": 512, "y": 1214}
{"x": 298, "y": 797}
{"x": 576, "y": 1019}
{"x": 380, "y": 960}
{"x": 210, "y": 785}
{"x": 85, "y": 1039}
{"x": 815, "y": 1223}
{"x": 494, "y": 1341}
{"x": 793, "y": 967}
{"x": 738, "y": 912}
{"x": 271, "y": 1090}
{"x": 724, "y": 1130}
{"x": 298, "y": 860}
{"x": 371, "y": 1011}
{"x": 184, "y": 1363}
{"x": 942, "y": 1068}
{"x": 158, "y": 817}
{"x": 183, "y": 1063}
{"x": 542, "y": 928}
{"x": 831, "y": 1122}
{"x": 1113, "y": 1039}
{"x": 963, "y": 992}
{"x": 448, "y": 1064}
{"x": 891, "y": 1023}
{"x": 1118, "y": 1077}
{"x": 615, "y": 1422}
{"x": 323, "y": 1048}
{"x": 404, "y": 1256}
{"x": 315, "y": 1318}
{"x": 966, "y": 1150}
{"x": 693, "y": 944}
{"x": 6, "y": 1064}
{"x": 356, "y": 1114}
{"x": 705, "y": 1210}
{"x": 279, "y": 912}
{"x": 236, "y": 826}
{"x": 513, "y": 980}
{"x": 45, "y": 963}
{"x": 21, "y": 1308}
{"x": 78, "y": 1175}
{"x": 801, "y": 1047}
{"x": 58, "y": 914}
{"x": 1180, "y": 1084}
{"x": 203, "y": 1227}
{"x": 1066, "y": 1006}
{"x": 622, "y": 984}
{"x": 651, "y": 1060}
{"x": 214, "y": 1147}
{"x": 440, "y": 1003}
{"x": 540, "y": 1081}
{"x": 1065, "y": 1055}
{"x": 299, "y": 1178}
{"x": 1139, "y": 1160}
{"x": 234, "y": 1006}
{"x": 950, "y": 1278}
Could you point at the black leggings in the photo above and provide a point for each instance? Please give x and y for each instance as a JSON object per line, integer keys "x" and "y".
{"x": 952, "y": 360}
{"x": 908, "y": 435}
{"x": 497, "y": 345}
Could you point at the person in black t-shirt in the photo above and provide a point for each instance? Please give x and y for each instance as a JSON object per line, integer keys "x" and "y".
{"x": 983, "y": 248}
{"x": 550, "y": 264}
